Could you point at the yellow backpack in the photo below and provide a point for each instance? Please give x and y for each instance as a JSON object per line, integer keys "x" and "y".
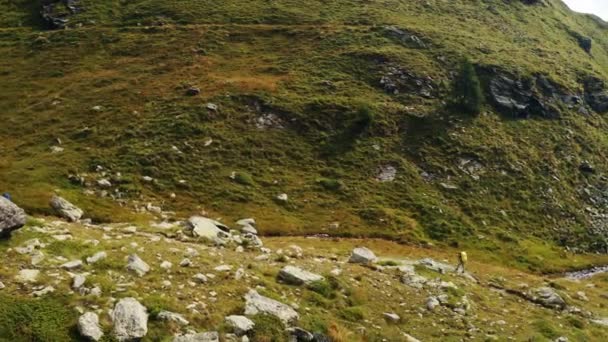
{"x": 463, "y": 256}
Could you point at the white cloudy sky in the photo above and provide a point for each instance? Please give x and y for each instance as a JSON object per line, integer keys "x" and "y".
{"x": 597, "y": 7}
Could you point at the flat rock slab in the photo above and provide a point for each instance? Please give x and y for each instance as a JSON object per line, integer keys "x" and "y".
{"x": 257, "y": 304}
{"x": 297, "y": 276}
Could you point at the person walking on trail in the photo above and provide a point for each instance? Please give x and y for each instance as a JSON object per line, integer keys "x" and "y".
{"x": 462, "y": 260}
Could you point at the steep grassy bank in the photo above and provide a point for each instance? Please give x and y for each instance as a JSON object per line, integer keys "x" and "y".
{"x": 302, "y": 109}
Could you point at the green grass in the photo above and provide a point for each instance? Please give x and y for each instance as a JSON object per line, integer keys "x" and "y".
{"x": 38, "y": 320}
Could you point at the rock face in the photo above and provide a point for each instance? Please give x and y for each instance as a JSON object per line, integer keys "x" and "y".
{"x": 258, "y": 304}
{"x": 11, "y": 217}
{"x": 130, "y": 320}
{"x": 362, "y": 255}
{"x": 297, "y": 276}
{"x": 135, "y": 264}
{"x": 241, "y": 325}
{"x": 207, "y": 228}
{"x": 596, "y": 94}
{"x": 88, "y": 326}
{"x": 66, "y": 209}
{"x": 521, "y": 98}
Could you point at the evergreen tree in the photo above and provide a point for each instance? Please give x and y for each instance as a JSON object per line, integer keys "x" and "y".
{"x": 467, "y": 89}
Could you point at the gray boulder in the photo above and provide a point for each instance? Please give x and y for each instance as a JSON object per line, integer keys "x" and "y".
{"x": 257, "y": 304}
{"x": 11, "y": 217}
{"x": 547, "y": 297}
{"x": 88, "y": 326}
{"x": 66, "y": 209}
{"x": 297, "y": 276}
{"x": 207, "y": 228}
{"x": 130, "y": 320}
{"x": 135, "y": 264}
{"x": 362, "y": 255}
{"x": 300, "y": 335}
{"x": 240, "y": 325}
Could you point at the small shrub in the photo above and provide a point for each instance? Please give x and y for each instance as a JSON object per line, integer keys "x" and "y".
{"x": 388, "y": 263}
{"x": 467, "y": 89}
{"x": 243, "y": 178}
{"x": 363, "y": 119}
{"x": 268, "y": 329}
{"x": 45, "y": 319}
{"x": 352, "y": 314}
{"x": 330, "y": 184}
{"x": 323, "y": 287}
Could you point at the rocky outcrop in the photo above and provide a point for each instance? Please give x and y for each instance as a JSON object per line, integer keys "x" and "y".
{"x": 130, "y": 320}
{"x": 11, "y": 217}
{"x": 88, "y": 326}
{"x": 66, "y": 209}
{"x": 596, "y": 94}
{"x": 257, "y": 304}
{"x": 405, "y": 37}
{"x": 397, "y": 80}
{"x": 56, "y": 13}
{"x": 297, "y": 276}
{"x": 524, "y": 98}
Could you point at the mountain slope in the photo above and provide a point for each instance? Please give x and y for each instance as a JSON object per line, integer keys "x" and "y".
{"x": 307, "y": 106}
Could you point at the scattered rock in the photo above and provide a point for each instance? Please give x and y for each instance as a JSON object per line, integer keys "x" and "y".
{"x": 240, "y": 325}
{"x": 130, "y": 320}
{"x": 258, "y": 304}
{"x": 96, "y": 257}
{"x": 300, "y": 335}
{"x": 432, "y": 303}
{"x": 46, "y": 290}
{"x": 391, "y": 317}
{"x": 172, "y": 317}
{"x": 135, "y": 264}
{"x": 193, "y": 91}
{"x": 297, "y": 276}
{"x": 11, "y": 217}
{"x": 200, "y": 278}
{"x": 436, "y": 266}
{"x": 362, "y": 255}
{"x": 66, "y": 209}
{"x": 282, "y": 197}
{"x": 78, "y": 281}
{"x": 27, "y": 276}
{"x": 88, "y": 326}
{"x": 386, "y": 173}
{"x": 211, "y": 336}
{"x": 72, "y": 265}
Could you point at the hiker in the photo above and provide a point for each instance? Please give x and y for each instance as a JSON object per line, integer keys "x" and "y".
{"x": 462, "y": 259}
{"x": 7, "y": 196}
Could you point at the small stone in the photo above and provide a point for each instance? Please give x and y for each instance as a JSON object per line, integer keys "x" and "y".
{"x": 78, "y": 281}
{"x": 200, "y": 278}
{"x": 185, "y": 263}
{"x": 172, "y": 317}
{"x": 282, "y": 197}
{"x": 391, "y": 317}
{"x": 72, "y": 265}
{"x": 96, "y": 257}
{"x": 166, "y": 265}
{"x": 135, "y": 264}
{"x": 44, "y": 291}
{"x": 193, "y": 91}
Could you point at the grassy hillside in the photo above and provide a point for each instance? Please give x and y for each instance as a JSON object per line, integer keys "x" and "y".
{"x": 301, "y": 110}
